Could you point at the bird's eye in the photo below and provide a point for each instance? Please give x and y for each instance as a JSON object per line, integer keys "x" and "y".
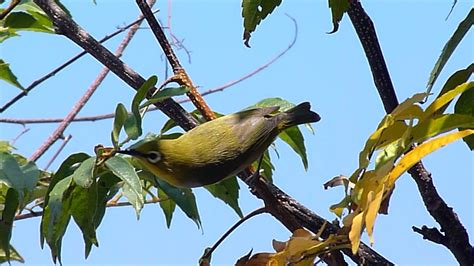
{"x": 153, "y": 156}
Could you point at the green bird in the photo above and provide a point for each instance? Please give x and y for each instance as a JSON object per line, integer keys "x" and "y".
{"x": 219, "y": 148}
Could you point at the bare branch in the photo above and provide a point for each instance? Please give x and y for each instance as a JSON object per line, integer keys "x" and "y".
{"x": 180, "y": 75}
{"x": 183, "y": 100}
{"x": 208, "y": 253}
{"x": 55, "y": 71}
{"x": 85, "y": 98}
{"x": 60, "y": 149}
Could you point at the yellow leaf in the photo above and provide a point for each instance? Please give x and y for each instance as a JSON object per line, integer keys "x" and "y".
{"x": 371, "y": 212}
{"x": 258, "y": 259}
{"x": 445, "y": 99}
{"x": 415, "y": 155}
{"x": 407, "y": 104}
{"x": 411, "y": 112}
{"x": 356, "y": 229}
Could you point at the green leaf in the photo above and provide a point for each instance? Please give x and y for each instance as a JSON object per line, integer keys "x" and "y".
{"x": 142, "y": 93}
{"x": 167, "y": 205}
{"x": 227, "y": 190}
{"x": 440, "y": 124}
{"x": 253, "y": 12}
{"x": 84, "y": 174}
{"x": 445, "y": 99}
{"x": 5, "y": 146}
{"x": 105, "y": 191}
{"x": 56, "y": 216}
{"x": 132, "y": 188}
{"x": 14, "y": 255}
{"x": 7, "y": 75}
{"x": 121, "y": 115}
{"x": 165, "y": 94}
{"x": 133, "y": 127}
{"x": 22, "y": 178}
{"x": 31, "y": 21}
{"x": 272, "y": 102}
{"x": 6, "y": 223}
{"x": 84, "y": 203}
{"x": 338, "y": 8}
{"x": 459, "y": 77}
{"x": 266, "y": 166}
{"x": 293, "y": 137}
{"x": 6, "y": 33}
{"x": 465, "y": 106}
{"x": 184, "y": 198}
{"x": 133, "y": 124}
{"x": 449, "y": 48}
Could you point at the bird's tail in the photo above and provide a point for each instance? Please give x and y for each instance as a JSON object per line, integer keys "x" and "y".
{"x": 300, "y": 114}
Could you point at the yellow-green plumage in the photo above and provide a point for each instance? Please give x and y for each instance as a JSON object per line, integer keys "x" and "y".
{"x": 219, "y": 148}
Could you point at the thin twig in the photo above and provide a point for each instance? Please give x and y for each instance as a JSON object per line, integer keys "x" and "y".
{"x": 9, "y": 8}
{"x": 256, "y": 212}
{"x": 181, "y": 77}
{"x": 13, "y": 141}
{"x": 183, "y": 100}
{"x": 176, "y": 43}
{"x": 32, "y": 213}
{"x": 63, "y": 66}
{"x": 60, "y": 149}
{"x": 85, "y": 98}
{"x": 69, "y": 28}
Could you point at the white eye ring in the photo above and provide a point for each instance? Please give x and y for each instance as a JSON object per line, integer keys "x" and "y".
{"x": 153, "y": 156}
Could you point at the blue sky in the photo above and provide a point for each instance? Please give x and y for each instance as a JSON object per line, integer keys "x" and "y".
{"x": 330, "y": 71}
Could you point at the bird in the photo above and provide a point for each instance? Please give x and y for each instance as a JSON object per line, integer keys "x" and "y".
{"x": 219, "y": 148}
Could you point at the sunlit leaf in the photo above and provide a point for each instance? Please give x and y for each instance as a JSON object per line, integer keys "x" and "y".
{"x": 7, "y": 75}
{"x": 417, "y": 153}
{"x": 441, "y": 124}
{"x": 465, "y": 106}
{"x": 445, "y": 99}
{"x": 449, "y": 48}
{"x": 459, "y": 77}
{"x": 356, "y": 230}
{"x": 31, "y": 21}
{"x": 227, "y": 190}
{"x": 132, "y": 187}
{"x": 338, "y": 208}
{"x": 14, "y": 256}
{"x": 372, "y": 210}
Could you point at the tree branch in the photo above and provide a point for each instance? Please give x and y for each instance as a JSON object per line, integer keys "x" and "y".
{"x": 55, "y": 71}
{"x": 180, "y": 75}
{"x": 67, "y": 27}
{"x": 85, "y": 98}
{"x": 457, "y": 239}
{"x": 277, "y": 208}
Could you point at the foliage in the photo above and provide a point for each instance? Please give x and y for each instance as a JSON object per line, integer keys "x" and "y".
{"x": 400, "y": 144}
{"x": 85, "y": 185}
